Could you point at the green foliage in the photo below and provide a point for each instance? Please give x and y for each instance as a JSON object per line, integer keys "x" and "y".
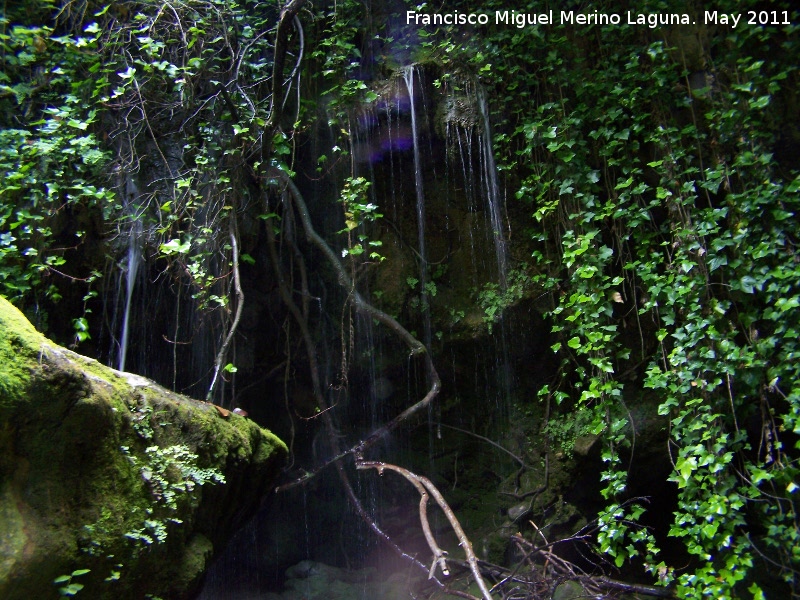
{"x": 666, "y": 242}
{"x": 50, "y": 156}
{"x": 357, "y": 212}
{"x": 67, "y": 587}
{"x": 494, "y": 299}
{"x": 566, "y": 429}
{"x": 191, "y": 127}
{"x": 663, "y": 225}
{"x": 171, "y": 476}
{"x": 338, "y": 59}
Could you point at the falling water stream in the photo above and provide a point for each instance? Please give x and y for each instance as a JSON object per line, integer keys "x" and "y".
{"x": 408, "y": 77}
{"x": 134, "y": 260}
{"x": 493, "y": 191}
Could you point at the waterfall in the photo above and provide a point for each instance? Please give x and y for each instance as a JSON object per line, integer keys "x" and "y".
{"x": 492, "y": 191}
{"x": 134, "y": 259}
{"x": 408, "y": 77}
{"x": 461, "y": 247}
{"x": 463, "y": 150}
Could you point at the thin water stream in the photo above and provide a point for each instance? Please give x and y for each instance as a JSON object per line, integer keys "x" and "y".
{"x": 134, "y": 260}
{"x": 493, "y": 191}
{"x": 409, "y": 73}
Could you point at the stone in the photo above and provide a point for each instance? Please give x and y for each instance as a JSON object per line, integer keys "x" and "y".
{"x": 584, "y": 444}
{"x": 310, "y": 580}
{"x": 107, "y": 471}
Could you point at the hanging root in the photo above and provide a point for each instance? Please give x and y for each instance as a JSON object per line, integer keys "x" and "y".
{"x": 294, "y": 200}
{"x": 425, "y": 487}
{"x": 223, "y": 351}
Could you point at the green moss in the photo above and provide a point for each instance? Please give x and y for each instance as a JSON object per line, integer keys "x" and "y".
{"x": 198, "y": 552}
{"x": 18, "y": 339}
{"x": 13, "y": 527}
{"x": 76, "y": 476}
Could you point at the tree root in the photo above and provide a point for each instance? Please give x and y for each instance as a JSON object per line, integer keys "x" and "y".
{"x": 415, "y": 346}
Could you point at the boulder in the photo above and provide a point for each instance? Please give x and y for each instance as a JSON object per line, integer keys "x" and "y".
{"x": 110, "y": 485}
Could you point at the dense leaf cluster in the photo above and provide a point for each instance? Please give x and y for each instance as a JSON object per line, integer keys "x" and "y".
{"x": 667, "y": 230}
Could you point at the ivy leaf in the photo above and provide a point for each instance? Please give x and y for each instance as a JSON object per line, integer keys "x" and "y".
{"x": 685, "y": 467}
{"x": 175, "y": 246}
{"x": 748, "y": 284}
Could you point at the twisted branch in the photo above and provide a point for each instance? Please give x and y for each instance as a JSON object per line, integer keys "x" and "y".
{"x": 415, "y": 346}
{"x": 300, "y": 318}
{"x": 424, "y": 487}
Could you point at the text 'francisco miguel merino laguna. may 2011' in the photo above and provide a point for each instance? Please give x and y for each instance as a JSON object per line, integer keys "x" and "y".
{"x": 521, "y": 19}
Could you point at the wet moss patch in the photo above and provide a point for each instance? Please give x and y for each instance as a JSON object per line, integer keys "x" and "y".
{"x": 107, "y": 471}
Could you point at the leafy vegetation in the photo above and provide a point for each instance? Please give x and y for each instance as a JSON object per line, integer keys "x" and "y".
{"x": 52, "y": 160}
{"x": 171, "y": 474}
{"x": 660, "y": 208}
{"x": 667, "y": 238}
{"x": 67, "y": 587}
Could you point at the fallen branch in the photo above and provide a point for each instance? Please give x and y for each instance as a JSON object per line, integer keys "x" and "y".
{"x": 424, "y": 487}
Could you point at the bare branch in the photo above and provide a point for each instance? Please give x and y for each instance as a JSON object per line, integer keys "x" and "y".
{"x": 439, "y": 556}
{"x": 223, "y": 351}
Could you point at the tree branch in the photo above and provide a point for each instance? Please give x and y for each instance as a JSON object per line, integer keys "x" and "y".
{"x": 425, "y": 486}
{"x": 414, "y": 345}
{"x": 288, "y": 13}
{"x": 223, "y": 351}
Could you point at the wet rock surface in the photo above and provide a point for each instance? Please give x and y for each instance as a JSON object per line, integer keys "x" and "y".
{"x": 107, "y": 475}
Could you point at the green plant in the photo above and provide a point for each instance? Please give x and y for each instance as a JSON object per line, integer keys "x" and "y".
{"x": 563, "y": 431}
{"x": 337, "y": 58}
{"x": 171, "y": 476}
{"x": 357, "y": 212}
{"x": 50, "y": 154}
{"x": 661, "y": 219}
{"x": 494, "y": 298}
{"x": 456, "y": 316}
{"x": 67, "y": 587}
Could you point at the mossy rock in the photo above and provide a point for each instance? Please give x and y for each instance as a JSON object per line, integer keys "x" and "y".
{"x": 79, "y": 488}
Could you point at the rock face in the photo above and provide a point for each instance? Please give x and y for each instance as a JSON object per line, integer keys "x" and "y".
{"x": 107, "y": 472}
{"x": 309, "y": 580}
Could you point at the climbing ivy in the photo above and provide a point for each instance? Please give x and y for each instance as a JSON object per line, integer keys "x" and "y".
{"x": 124, "y": 128}
{"x": 52, "y": 160}
{"x": 358, "y": 211}
{"x": 664, "y": 236}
